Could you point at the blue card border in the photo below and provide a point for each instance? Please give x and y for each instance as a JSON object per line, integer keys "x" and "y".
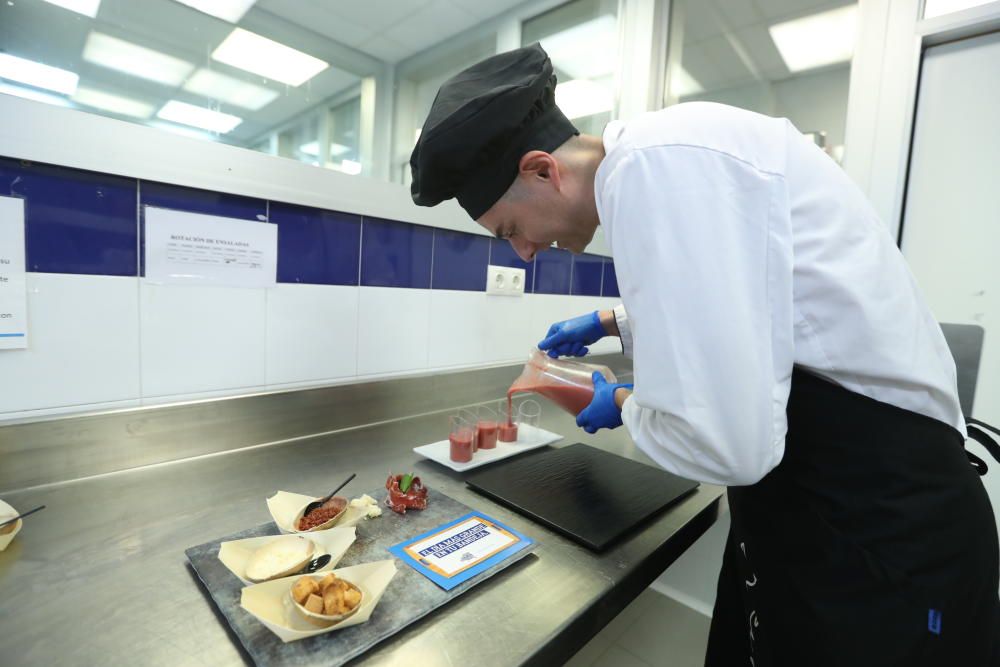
{"x": 448, "y": 583}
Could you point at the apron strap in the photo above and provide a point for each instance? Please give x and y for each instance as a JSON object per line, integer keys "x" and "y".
{"x": 977, "y": 431}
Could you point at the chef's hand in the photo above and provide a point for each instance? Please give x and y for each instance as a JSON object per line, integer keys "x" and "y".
{"x": 605, "y": 410}
{"x": 569, "y": 338}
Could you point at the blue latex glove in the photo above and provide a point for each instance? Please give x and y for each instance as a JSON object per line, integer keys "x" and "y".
{"x": 569, "y": 337}
{"x": 602, "y": 412}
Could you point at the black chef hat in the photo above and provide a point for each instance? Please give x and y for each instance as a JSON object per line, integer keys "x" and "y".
{"x": 481, "y": 123}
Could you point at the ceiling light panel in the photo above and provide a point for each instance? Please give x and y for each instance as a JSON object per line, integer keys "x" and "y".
{"x": 579, "y": 98}
{"x": 227, "y": 10}
{"x": 821, "y": 39}
{"x": 35, "y": 74}
{"x": 259, "y": 55}
{"x": 123, "y": 106}
{"x": 85, "y": 7}
{"x": 206, "y": 119}
{"x": 230, "y": 90}
{"x": 117, "y": 54}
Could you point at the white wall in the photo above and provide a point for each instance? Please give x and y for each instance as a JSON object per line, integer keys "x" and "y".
{"x": 100, "y": 342}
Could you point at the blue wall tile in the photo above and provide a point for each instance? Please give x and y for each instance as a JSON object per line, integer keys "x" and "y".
{"x": 502, "y": 254}
{"x": 193, "y": 200}
{"x": 587, "y": 271}
{"x": 75, "y": 221}
{"x": 610, "y": 279}
{"x": 460, "y": 260}
{"x": 395, "y": 254}
{"x": 552, "y": 271}
{"x": 316, "y": 246}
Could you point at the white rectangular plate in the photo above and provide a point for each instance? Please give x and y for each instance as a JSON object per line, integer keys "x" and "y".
{"x": 528, "y": 438}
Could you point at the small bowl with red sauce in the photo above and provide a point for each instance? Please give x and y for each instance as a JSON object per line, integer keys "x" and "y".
{"x": 323, "y": 517}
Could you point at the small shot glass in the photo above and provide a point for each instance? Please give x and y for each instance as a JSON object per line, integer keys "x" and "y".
{"x": 528, "y": 413}
{"x": 462, "y": 439}
{"x": 507, "y": 431}
{"x": 486, "y": 427}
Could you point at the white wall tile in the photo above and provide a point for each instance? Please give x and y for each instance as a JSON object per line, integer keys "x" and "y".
{"x": 201, "y": 339}
{"x": 475, "y": 328}
{"x": 83, "y": 339}
{"x": 312, "y": 333}
{"x": 392, "y": 329}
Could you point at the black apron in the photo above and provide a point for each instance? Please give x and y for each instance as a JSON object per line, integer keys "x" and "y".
{"x": 872, "y": 543}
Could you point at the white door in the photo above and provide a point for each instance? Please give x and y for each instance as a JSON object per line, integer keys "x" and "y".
{"x": 951, "y": 224}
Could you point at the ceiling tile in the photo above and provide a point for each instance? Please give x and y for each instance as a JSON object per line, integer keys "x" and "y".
{"x": 377, "y": 15}
{"x": 737, "y": 13}
{"x": 758, "y": 43}
{"x": 485, "y": 10}
{"x": 319, "y": 19}
{"x": 432, "y": 24}
{"x": 699, "y": 21}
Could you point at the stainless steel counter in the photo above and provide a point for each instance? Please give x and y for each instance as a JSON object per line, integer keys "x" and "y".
{"x": 100, "y": 576}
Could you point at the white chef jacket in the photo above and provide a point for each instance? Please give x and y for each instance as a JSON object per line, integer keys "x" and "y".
{"x": 742, "y": 249}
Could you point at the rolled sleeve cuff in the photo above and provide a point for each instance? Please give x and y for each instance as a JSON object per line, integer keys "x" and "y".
{"x": 624, "y": 330}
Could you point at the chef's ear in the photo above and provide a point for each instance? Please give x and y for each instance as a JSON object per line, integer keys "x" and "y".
{"x": 540, "y": 166}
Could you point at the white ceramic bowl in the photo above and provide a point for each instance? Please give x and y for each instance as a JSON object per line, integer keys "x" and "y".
{"x": 322, "y": 620}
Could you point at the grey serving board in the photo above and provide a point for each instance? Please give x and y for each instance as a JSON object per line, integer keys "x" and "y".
{"x": 410, "y": 595}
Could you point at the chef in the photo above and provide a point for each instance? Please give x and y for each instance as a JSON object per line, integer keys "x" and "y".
{"x": 781, "y": 348}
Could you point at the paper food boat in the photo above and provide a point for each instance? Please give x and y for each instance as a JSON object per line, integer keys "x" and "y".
{"x": 8, "y": 512}
{"x": 335, "y": 541}
{"x": 285, "y": 507}
{"x": 271, "y": 604}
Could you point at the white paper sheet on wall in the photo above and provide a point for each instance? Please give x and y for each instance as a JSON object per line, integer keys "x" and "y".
{"x": 194, "y": 249}
{"x": 13, "y": 290}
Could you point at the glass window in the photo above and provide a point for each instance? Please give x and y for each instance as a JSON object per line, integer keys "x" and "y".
{"x": 342, "y": 85}
{"x": 581, "y": 38}
{"x": 763, "y": 57}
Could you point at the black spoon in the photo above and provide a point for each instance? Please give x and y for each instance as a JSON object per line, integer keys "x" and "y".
{"x": 316, "y": 503}
{"x": 21, "y": 516}
{"x": 315, "y": 564}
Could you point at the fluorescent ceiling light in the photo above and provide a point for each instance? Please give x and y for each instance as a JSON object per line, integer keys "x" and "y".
{"x": 206, "y": 119}
{"x": 251, "y": 52}
{"x": 117, "y": 54}
{"x": 682, "y": 83}
{"x": 38, "y": 75}
{"x": 312, "y": 148}
{"x": 580, "y": 98}
{"x": 821, "y": 39}
{"x": 934, "y": 8}
{"x": 229, "y": 90}
{"x": 115, "y": 104}
{"x": 336, "y": 150}
{"x": 582, "y": 51}
{"x": 32, "y": 94}
{"x": 227, "y": 10}
{"x": 85, "y": 7}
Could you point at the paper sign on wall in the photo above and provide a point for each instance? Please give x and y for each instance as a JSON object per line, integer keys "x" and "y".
{"x": 13, "y": 290}
{"x": 194, "y": 249}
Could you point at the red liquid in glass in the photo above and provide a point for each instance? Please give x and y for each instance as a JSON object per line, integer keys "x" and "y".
{"x": 571, "y": 398}
{"x": 508, "y": 432}
{"x": 486, "y": 435}
{"x": 461, "y": 446}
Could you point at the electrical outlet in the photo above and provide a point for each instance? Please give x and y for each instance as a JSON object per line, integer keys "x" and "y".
{"x": 504, "y": 281}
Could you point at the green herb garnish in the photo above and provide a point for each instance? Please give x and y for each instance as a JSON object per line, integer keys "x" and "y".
{"x": 405, "y": 481}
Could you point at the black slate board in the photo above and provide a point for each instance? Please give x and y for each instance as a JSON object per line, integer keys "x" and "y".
{"x": 591, "y": 496}
{"x": 409, "y": 596}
